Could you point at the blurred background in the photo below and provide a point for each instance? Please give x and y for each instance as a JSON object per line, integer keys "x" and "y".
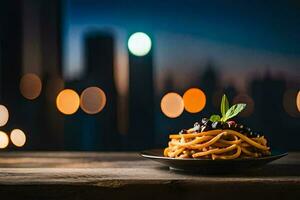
{"x": 115, "y": 75}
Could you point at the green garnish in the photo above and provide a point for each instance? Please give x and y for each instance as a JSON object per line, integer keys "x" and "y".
{"x": 227, "y": 113}
{"x": 224, "y": 105}
{"x": 215, "y": 118}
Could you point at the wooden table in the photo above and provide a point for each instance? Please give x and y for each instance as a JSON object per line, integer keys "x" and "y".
{"x": 73, "y": 175}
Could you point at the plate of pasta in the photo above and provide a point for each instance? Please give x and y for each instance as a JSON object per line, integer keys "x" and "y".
{"x": 216, "y": 144}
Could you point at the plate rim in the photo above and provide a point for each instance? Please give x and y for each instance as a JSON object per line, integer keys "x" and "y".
{"x": 144, "y": 154}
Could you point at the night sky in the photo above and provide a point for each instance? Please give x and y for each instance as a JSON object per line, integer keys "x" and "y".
{"x": 240, "y": 37}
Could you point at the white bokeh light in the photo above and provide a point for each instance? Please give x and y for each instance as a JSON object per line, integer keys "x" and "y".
{"x": 139, "y": 44}
{"x": 18, "y": 137}
{"x": 4, "y": 115}
{"x": 4, "y": 140}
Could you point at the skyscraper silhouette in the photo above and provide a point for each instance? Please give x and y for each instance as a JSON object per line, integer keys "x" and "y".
{"x": 209, "y": 84}
{"x": 51, "y": 51}
{"x": 10, "y": 49}
{"x": 141, "y": 101}
{"x": 11, "y": 58}
{"x": 268, "y": 114}
{"x": 99, "y": 62}
{"x": 25, "y": 27}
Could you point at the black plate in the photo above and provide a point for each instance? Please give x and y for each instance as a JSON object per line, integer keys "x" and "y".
{"x": 211, "y": 166}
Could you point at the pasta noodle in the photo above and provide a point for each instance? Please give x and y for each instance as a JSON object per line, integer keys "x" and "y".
{"x": 216, "y": 144}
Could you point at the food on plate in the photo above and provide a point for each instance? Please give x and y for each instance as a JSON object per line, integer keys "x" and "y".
{"x": 218, "y": 137}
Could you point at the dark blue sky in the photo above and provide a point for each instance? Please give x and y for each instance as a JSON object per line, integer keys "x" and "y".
{"x": 231, "y": 32}
{"x": 272, "y": 25}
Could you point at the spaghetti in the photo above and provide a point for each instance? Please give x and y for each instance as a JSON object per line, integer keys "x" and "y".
{"x": 216, "y": 144}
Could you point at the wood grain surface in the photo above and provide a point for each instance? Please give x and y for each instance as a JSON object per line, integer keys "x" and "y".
{"x": 82, "y": 175}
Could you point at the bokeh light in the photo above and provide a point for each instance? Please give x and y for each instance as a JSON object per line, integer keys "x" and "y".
{"x": 18, "y": 137}
{"x": 245, "y": 98}
{"x": 92, "y": 100}
{"x": 67, "y": 101}
{"x": 290, "y": 102}
{"x": 139, "y": 44}
{"x": 4, "y": 140}
{"x": 4, "y": 115}
{"x": 172, "y": 105}
{"x": 194, "y": 100}
{"x": 298, "y": 100}
{"x": 30, "y": 86}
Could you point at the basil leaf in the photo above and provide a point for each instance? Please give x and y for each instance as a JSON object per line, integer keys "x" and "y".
{"x": 214, "y": 118}
{"x": 234, "y": 110}
{"x": 224, "y": 105}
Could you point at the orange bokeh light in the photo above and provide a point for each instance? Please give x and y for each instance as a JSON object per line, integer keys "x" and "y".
{"x": 172, "y": 105}
{"x": 30, "y": 86}
{"x": 67, "y": 101}
{"x": 194, "y": 100}
{"x": 92, "y": 100}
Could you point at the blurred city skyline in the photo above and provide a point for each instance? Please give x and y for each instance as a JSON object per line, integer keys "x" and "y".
{"x": 70, "y": 82}
{"x": 241, "y": 38}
